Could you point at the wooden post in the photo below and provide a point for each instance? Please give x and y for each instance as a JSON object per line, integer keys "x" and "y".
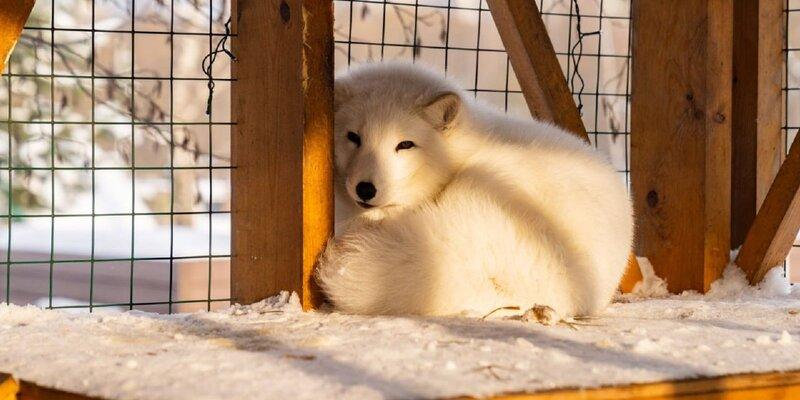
{"x": 542, "y": 81}
{"x": 756, "y": 117}
{"x": 13, "y": 14}
{"x": 535, "y": 63}
{"x": 778, "y": 220}
{"x": 681, "y": 137}
{"x": 282, "y": 195}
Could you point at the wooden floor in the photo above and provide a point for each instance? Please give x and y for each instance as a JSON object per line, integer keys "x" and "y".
{"x": 773, "y": 385}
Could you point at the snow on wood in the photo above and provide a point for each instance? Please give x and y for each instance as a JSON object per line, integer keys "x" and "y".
{"x": 273, "y": 350}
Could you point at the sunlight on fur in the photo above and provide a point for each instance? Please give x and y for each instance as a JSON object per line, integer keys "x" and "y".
{"x": 445, "y": 206}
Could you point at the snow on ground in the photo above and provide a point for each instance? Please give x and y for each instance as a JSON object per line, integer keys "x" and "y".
{"x": 273, "y": 350}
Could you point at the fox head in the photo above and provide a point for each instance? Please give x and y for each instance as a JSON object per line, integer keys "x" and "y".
{"x": 392, "y": 124}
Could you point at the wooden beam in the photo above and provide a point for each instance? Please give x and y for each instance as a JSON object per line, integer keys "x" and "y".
{"x": 535, "y": 64}
{"x": 771, "y": 385}
{"x": 282, "y": 146}
{"x": 32, "y": 391}
{"x": 13, "y": 14}
{"x": 778, "y": 220}
{"x": 681, "y": 138}
{"x": 756, "y": 117}
{"x": 542, "y": 80}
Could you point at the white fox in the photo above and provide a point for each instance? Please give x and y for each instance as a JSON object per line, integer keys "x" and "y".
{"x": 451, "y": 207}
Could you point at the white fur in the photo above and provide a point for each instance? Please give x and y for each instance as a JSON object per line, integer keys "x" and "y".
{"x": 487, "y": 211}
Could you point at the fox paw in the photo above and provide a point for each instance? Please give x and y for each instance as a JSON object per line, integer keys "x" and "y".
{"x": 542, "y": 314}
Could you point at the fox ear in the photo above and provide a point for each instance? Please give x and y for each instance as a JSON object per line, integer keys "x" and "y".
{"x": 342, "y": 93}
{"x": 443, "y": 110}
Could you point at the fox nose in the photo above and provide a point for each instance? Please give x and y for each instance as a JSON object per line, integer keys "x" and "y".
{"x": 366, "y": 190}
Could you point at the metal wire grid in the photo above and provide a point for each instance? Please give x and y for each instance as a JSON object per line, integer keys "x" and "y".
{"x": 791, "y": 103}
{"x": 464, "y": 45}
{"x": 43, "y": 35}
{"x": 458, "y": 37}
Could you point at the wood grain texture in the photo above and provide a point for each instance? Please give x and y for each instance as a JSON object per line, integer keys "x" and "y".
{"x": 775, "y": 227}
{"x": 756, "y": 117}
{"x": 681, "y": 138}
{"x": 535, "y": 64}
{"x": 282, "y": 146}
{"x": 13, "y": 14}
{"x": 772, "y": 385}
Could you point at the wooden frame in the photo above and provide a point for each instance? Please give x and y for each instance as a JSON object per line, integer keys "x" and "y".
{"x": 756, "y": 118}
{"x": 775, "y": 228}
{"x": 282, "y": 146}
{"x": 772, "y": 385}
{"x": 681, "y": 138}
{"x": 12, "y": 389}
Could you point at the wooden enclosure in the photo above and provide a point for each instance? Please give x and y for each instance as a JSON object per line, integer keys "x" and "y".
{"x": 705, "y": 135}
{"x": 706, "y": 152}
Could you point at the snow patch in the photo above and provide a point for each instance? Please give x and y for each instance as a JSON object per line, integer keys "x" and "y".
{"x": 272, "y": 349}
{"x": 651, "y": 285}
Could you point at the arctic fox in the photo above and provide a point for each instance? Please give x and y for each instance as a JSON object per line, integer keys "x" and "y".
{"x": 454, "y": 208}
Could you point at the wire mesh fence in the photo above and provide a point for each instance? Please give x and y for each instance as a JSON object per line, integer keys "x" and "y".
{"x": 791, "y": 103}
{"x": 459, "y": 38}
{"x": 116, "y": 182}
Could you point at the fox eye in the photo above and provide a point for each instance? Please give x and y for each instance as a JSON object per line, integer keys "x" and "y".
{"x": 353, "y": 137}
{"x": 405, "y": 145}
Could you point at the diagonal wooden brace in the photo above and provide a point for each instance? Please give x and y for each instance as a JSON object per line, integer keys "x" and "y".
{"x": 13, "y": 14}
{"x": 775, "y": 227}
{"x": 535, "y": 64}
{"x": 542, "y": 81}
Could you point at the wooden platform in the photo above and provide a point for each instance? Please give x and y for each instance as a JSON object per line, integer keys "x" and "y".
{"x": 772, "y": 385}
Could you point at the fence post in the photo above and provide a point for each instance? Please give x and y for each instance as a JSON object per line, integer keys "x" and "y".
{"x": 282, "y": 197}
{"x": 756, "y": 117}
{"x": 681, "y": 137}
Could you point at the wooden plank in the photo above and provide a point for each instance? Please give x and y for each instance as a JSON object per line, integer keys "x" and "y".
{"x": 756, "y": 117}
{"x": 13, "y": 14}
{"x": 535, "y": 64}
{"x": 775, "y": 227}
{"x": 772, "y": 385}
{"x": 13, "y": 389}
{"x": 282, "y": 146}
{"x": 681, "y": 138}
{"x": 8, "y": 387}
{"x": 32, "y": 391}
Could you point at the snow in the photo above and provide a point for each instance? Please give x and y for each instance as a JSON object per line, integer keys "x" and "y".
{"x": 272, "y": 349}
{"x": 112, "y": 237}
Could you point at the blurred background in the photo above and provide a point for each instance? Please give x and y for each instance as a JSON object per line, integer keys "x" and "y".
{"x": 116, "y": 183}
